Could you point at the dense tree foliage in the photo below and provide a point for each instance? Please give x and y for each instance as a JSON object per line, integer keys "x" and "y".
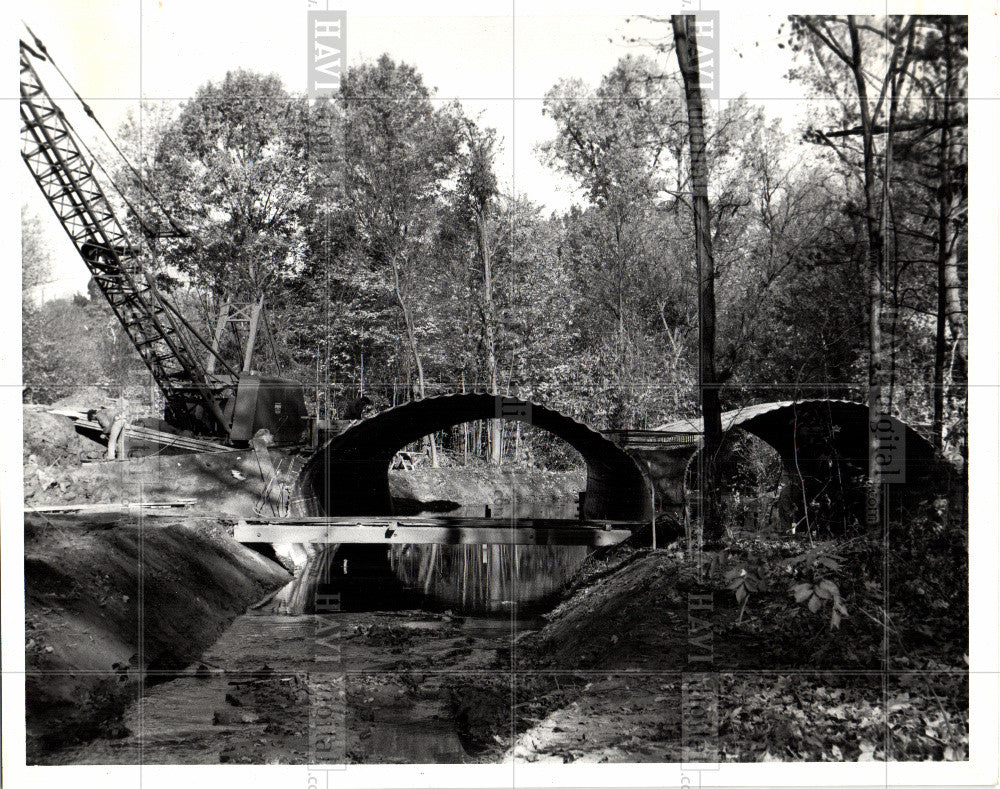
{"x": 398, "y": 265}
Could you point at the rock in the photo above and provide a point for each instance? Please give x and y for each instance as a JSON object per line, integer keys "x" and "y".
{"x": 227, "y": 717}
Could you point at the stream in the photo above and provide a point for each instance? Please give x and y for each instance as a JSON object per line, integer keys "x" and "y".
{"x": 421, "y": 631}
{"x": 251, "y": 698}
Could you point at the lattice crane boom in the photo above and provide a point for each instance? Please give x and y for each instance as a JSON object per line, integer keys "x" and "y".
{"x": 197, "y": 397}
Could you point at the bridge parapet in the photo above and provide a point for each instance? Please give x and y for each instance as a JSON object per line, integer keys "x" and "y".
{"x": 640, "y": 440}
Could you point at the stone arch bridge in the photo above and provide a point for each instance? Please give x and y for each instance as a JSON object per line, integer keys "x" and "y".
{"x": 350, "y": 474}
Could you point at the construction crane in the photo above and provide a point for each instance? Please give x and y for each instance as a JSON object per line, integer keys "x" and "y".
{"x": 204, "y": 392}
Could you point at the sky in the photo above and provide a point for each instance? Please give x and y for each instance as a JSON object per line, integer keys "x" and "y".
{"x": 498, "y": 62}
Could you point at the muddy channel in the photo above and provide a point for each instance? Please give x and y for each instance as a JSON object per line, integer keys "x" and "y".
{"x": 352, "y": 687}
{"x": 369, "y": 655}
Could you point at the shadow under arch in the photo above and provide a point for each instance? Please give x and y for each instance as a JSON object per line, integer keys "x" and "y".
{"x": 811, "y": 426}
{"x": 350, "y": 474}
{"x": 807, "y": 433}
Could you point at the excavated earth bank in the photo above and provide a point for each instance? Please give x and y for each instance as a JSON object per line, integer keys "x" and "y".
{"x": 111, "y": 600}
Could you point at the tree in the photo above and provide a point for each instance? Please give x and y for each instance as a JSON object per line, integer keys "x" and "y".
{"x": 686, "y": 44}
{"x": 35, "y": 271}
{"x": 842, "y": 40}
{"x": 36, "y": 264}
{"x": 770, "y": 213}
{"x": 399, "y": 151}
{"x": 620, "y": 143}
{"x": 911, "y": 165}
{"x": 853, "y": 58}
{"x": 232, "y": 172}
{"x": 477, "y": 184}
{"x": 944, "y": 55}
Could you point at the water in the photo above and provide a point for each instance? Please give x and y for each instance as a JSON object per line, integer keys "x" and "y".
{"x": 491, "y": 578}
{"x": 397, "y": 664}
{"x": 251, "y": 697}
{"x": 486, "y": 578}
{"x": 472, "y": 579}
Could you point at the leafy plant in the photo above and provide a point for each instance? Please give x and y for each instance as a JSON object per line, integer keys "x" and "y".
{"x": 743, "y": 581}
{"x": 819, "y": 587}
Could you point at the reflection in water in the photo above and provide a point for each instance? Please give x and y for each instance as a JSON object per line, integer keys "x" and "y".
{"x": 481, "y": 578}
{"x": 486, "y": 578}
{"x": 351, "y": 577}
{"x": 469, "y": 578}
{"x": 298, "y": 596}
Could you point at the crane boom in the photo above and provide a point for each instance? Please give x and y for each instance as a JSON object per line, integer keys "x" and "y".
{"x": 196, "y": 398}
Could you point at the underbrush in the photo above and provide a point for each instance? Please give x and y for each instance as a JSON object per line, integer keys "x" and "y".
{"x": 852, "y": 648}
{"x": 896, "y": 598}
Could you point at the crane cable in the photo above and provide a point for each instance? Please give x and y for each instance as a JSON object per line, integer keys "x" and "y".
{"x": 43, "y": 54}
{"x": 148, "y": 231}
{"x": 46, "y": 55}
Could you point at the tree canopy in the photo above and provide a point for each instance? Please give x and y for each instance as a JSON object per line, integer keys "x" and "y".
{"x": 401, "y": 265}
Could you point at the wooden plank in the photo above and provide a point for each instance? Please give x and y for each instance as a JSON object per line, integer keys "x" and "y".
{"x": 147, "y": 434}
{"x": 449, "y": 520}
{"x": 112, "y": 507}
{"x": 392, "y": 532}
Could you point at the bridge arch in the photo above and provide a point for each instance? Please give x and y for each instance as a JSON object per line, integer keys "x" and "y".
{"x": 843, "y": 425}
{"x": 805, "y": 433}
{"x": 350, "y": 474}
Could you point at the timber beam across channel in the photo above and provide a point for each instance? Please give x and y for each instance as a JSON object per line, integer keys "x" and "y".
{"x": 416, "y": 530}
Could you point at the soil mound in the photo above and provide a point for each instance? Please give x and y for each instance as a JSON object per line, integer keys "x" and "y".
{"x": 110, "y": 603}
{"x": 628, "y": 613}
{"x": 50, "y": 439}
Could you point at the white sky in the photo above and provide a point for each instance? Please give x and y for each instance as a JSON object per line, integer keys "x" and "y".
{"x": 496, "y": 63}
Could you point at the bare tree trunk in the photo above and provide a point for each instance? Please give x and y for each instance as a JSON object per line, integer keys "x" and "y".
{"x": 956, "y": 310}
{"x": 939, "y": 351}
{"x": 944, "y": 210}
{"x": 957, "y": 317}
{"x": 465, "y": 432}
{"x": 959, "y": 331}
{"x": 489, "y": 332}
{"x": 873, "y": 256}
{"x": 894, "y": 79}
{"x": 686, "y": 46}
{"x": 411, "y": 337}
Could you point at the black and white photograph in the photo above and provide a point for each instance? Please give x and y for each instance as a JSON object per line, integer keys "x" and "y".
{"x": 516, "y": 395}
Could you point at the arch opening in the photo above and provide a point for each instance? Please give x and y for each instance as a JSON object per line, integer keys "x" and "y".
{"x": 350, "y": 475}
{"x": 824, "y": 448}
{"x": 539, "y": 475}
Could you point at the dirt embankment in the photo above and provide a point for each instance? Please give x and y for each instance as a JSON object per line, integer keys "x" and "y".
{"x": 110, "y": 603}
{"x": 498, "y": 488}
{"x": 63, "y": 467}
